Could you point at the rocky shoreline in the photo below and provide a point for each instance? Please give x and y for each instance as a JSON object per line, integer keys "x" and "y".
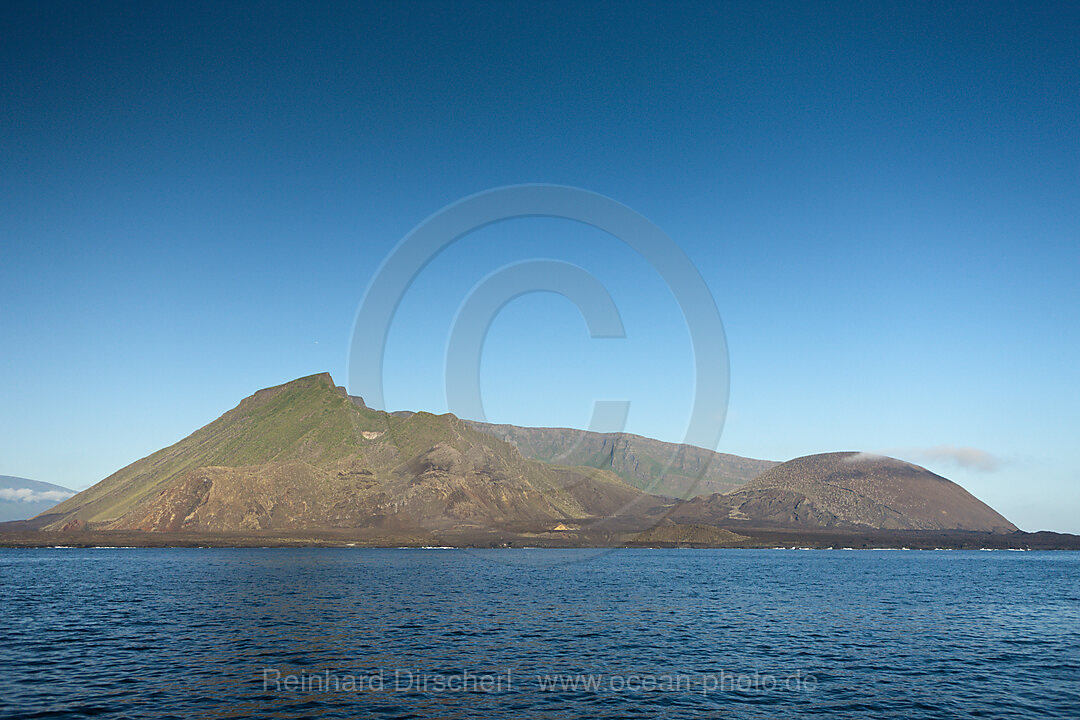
{"x": 683, "y": 536}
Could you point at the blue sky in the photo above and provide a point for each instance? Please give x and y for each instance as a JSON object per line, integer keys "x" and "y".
{"x": 883, "y": 198}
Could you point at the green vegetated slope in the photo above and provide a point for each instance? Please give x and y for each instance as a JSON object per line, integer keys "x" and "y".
{"x": 670, "y": 469}
{"x": 305, "y": 455}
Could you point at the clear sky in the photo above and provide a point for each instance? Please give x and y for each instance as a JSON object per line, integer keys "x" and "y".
{"x": 884, "y": 199}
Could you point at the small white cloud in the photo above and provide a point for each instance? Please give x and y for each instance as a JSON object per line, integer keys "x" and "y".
{"x": 966, "y": 457}
{"x": 864, "y": 456}
{"x": 27, "y": 495}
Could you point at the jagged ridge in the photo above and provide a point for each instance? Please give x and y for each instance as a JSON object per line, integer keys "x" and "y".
{"x": 305, "y": 455}
{"x": 673, "y": 470}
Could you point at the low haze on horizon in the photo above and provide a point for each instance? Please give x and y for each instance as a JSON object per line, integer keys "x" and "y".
{"x": 883, "y": 199}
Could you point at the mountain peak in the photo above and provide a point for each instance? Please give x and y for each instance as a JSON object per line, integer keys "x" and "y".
{"x": 322, "y": 379}
{"x": 857, "y": 490}
{"x": 304, "y": 454}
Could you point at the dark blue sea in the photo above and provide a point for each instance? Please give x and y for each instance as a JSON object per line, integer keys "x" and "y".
{"x": 344, "y": 633}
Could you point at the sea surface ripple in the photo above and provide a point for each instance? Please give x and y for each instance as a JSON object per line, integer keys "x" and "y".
{"x": 221, "y": 633}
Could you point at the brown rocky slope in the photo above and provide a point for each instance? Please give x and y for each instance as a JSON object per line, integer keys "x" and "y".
{"x": 847, "y": 489}
{"x": 304, "y": 455}
{"x": 307, "y": 457}
{"x": 662, "y": 468}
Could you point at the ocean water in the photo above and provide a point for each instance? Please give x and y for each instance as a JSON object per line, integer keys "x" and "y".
{"x": 343, "y": 633}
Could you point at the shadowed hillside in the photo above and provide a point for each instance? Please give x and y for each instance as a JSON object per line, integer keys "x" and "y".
{"x": 847, "y": 489}
{"x": 678, "y": 471}
{"x": 304, "y": 455}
